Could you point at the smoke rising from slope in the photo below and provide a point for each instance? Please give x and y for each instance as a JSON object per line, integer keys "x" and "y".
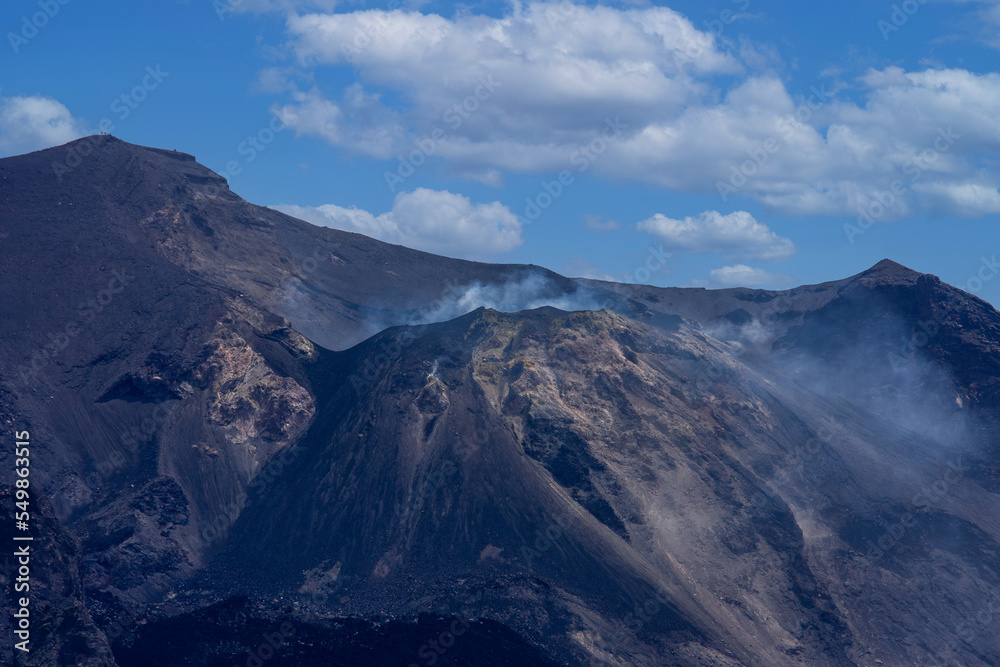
{"x": 754, "y": 331}
{"x": 914, "y": 393}
{"x": 531, "y": 291}
{"x": 525, "y": 290}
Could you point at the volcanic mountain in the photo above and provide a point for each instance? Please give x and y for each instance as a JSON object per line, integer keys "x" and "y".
{"x": 253, "y": 439}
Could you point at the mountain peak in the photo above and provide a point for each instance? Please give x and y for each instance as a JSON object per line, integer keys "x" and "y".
{"x": 109, "y": 142}
{"x": 120, "y": 169}
{"x": 889, "y": 265}
{"x": 888, "y": 272}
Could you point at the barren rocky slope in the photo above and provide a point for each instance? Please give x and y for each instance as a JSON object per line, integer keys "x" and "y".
{"x": 665, "y": 476}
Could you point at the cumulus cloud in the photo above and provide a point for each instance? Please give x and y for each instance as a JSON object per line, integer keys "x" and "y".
{"x": 358, "y": 122}
{"x": 742, "y": 275}
{"x": 553, "y": 74}
{"x": 525, "y": 92}
{"x": 430, "y": 220}
{"x": 562, "y": 51}
{"x": 821, "y": 156}
{"x": 737, "y": 235}
{"x": 35, "y": 122}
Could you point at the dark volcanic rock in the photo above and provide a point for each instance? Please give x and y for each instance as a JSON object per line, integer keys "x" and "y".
{"x": 686, "y": 477}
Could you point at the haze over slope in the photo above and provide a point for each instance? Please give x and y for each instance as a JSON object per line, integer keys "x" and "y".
{"x": 242, "y": 420}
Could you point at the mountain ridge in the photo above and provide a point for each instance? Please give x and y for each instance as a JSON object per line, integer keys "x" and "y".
{"x": 113, "y": 145}
{"x": 640, "y": 476}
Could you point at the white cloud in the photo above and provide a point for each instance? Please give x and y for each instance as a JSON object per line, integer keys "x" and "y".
{"x": 559, "y": 71}
{"x": 742, "y": 275}
{"x": 840, "y": 155}
{"x": 32, "y": 123}
{"x": 560, "y": 52}
{"x": 737, "y": 235}
{"x": 965, "y": 199}
{"x": 533, "y": 83}
{"x": 359, "y": 123}
{"x": 430, "y": 220}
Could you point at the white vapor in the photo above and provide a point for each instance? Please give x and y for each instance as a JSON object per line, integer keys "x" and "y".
{"x": 527, "y": 293}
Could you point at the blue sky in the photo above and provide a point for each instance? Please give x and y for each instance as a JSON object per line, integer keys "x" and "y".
{"x": 760, "y": 143}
